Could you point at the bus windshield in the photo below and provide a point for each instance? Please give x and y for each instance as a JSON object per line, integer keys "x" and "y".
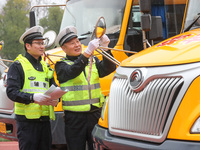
{"x": 83, "y": 14}
{"x": 192, "y": 13}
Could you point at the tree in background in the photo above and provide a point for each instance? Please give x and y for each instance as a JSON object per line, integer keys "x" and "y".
{"x": 39, "y": 11}
{"x": 13, "y": 22}
{"x": 53, "y": 19}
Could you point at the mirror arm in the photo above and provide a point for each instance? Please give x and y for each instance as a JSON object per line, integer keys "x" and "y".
{"x": 51, "y": 5}
{"x": 45, "y": 55}
{"x": 146, "y": 41}
{"x": 105, "y": 54}
{"x": 111, "y": 57}
{"x": 127, "y": 51}
{"x": 7, "y": 60}
{"x": 54, "y": 55}
{"x": 2, "y": 64}
{"x": 50, "y": 60}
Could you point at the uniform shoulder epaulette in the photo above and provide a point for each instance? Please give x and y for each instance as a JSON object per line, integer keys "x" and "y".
{"x": 62, "y": 59}
{"x": 17, "y": 62}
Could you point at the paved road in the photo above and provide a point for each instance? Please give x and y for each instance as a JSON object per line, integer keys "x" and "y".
{"x": 9, "y": 146}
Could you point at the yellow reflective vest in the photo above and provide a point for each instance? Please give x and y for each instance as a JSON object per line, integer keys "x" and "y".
{"x": 34, "y": 82}
{"x": 82, "y": 94}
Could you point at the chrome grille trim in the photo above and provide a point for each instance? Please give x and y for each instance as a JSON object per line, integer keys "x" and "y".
{"x": 148, "y": 109}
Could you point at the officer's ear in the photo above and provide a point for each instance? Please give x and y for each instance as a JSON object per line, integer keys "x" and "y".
{"x": 64, "y": 47}
{"x": 28, "y": 46}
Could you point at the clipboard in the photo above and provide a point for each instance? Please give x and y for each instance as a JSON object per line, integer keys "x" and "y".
{"x": 55, "y": 92}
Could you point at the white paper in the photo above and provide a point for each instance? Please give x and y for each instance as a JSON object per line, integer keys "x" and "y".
{"x": 55, "y": 92}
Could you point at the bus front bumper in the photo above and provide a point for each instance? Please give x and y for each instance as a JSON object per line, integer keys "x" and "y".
{"x": 103, "y": 140}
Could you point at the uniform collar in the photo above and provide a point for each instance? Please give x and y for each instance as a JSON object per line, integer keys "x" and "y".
{"x": 72, "y": 58}
{"x": 31, "y": 58}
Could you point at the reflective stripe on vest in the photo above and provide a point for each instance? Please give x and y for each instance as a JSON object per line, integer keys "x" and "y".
{"x": 78, "y": 97}
{"x": 81, "y": 102}
{"x": 35, "y": 82}
{"x": 81, "y": 87}
{"x": 34, "y": 91}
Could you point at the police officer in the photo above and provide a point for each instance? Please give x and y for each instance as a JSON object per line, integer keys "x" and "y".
{"x": 82, "y": 104}
{"x": 28, "y": 78}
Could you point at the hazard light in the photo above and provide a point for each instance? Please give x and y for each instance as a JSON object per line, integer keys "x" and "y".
{"x": 2, "y": 127}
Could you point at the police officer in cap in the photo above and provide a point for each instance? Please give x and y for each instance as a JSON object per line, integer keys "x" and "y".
{"x": 28, "y": 78}
{"x": 82, "y": 104}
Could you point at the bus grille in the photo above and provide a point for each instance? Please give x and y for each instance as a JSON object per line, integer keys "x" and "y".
{"x": 145, "y": 112}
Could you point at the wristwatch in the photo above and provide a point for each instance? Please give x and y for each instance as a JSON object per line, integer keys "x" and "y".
{"x": 31, "y": 99}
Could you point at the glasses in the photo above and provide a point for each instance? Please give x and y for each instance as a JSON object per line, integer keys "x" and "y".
{"x": 39, "y": 43}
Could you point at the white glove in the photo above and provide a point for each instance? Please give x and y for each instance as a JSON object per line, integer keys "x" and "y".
{"x": 104, "y": 41}
{"x": 40, "y": 98}
{"x": 53, "y": 102}
{"x": 92, "y": 46}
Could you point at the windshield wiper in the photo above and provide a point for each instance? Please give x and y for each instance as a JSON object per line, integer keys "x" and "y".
{"x": 89, "y": 32}
{"x": 188, "y": 28}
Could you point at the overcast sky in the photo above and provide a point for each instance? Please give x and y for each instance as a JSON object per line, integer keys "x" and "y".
{"x": 33, "y": 2}
{"x": 53, "y": 1}
{"x": 2, "y": 2}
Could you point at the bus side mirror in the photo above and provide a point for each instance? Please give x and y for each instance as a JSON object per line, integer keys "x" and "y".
{"x": 100, "y": 27}
{"x": 50, "y": 37}
{"x": 146, "y": 22}
{"x": 156, "y": 32}
{"x": 145, "y": 6}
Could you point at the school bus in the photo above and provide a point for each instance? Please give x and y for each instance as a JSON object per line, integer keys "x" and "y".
{"x": 123, "y": 27}
{"x": 154, "y": 98}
